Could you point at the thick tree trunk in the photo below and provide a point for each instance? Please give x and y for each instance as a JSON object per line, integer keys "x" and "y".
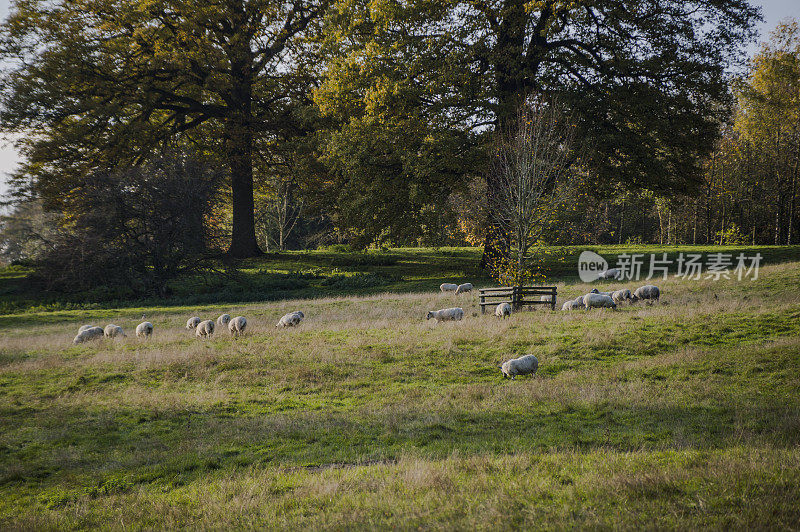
{"x": 511, "y": 87}
{"x": 239, "y": 132}
{"x": 496, "y": 244}
{"x": 789, "y": 225}
{"x": 240, "y": 159}
{"x": 778, "y": 217}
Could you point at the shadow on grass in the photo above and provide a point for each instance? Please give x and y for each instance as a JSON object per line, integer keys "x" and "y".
{"x": 308, "y": 274}
{"x": 148, "y": 445}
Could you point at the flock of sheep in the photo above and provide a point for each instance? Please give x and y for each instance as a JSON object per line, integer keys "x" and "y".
{"x": 528, "y": 364}
{"x": 203, "y": 328}
{"x": 91, "y": 332}
{"x": 598, "y": 299}
{"x": 524, "y": 365}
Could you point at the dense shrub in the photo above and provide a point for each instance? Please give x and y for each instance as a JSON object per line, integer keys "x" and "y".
{"x": 132, "y": 230}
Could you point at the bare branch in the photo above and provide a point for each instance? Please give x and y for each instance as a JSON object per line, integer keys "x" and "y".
{"x": 533, "y": 164}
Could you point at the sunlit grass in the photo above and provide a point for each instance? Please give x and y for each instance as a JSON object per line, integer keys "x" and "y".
{"x": 325, "y": 273}
{"x": 685, "y": 413}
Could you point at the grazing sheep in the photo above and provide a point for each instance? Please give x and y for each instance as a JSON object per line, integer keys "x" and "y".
{"x": 144, "y": 329}
{"x": 647, "y": 291}
{"x": 448, "y": 314}
{"x": 519, "y": 366}
{"x": 205, "y": 329}
{"x": 613, "y": 273}
{"x": 448, "y": 287}
{"x": 223, "y": 320}
{"x": 193, "y": 322}
{"x": 549, "y": 299}
{"x": 502, "y": 310}
{"x": 598, "y": 301}
{"x": 237, "y": 326}
{"x": 572, "y": 304}
{"x": 579, "y": 299}
{"x": 112, "y": 331}
{"x": 623, "y": 295}
{"x": 84, "y": 327}
{"x": 464, "y": 288}
{"x": 291, "y": 319}
{"x": 92, "y": 333}
{"x": 299, "y": 313}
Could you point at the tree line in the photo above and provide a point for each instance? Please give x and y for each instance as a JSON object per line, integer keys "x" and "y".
{"x": 372, "y": 123}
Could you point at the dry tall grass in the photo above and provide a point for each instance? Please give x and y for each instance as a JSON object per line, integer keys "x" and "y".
{"x": 686, "y": 413}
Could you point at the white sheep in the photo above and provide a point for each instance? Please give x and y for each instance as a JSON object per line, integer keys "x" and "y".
{"x": 112, "y": 331}
{"x": 291, "y": 319}
{"x": 549, "y": 299}
{"x": 464, "y": 288}
{"x": 92, "y": 333}
{"x": 502, "y": 310}
{"x": 223, "y": 320}
{"x": 613, "y": 273}
{"x": 572, "y": 304}
{"x": 519, "y": 366}
{"x": 448, "y": 287}
{"x": 193, "y": 322}
{"x": 598, "y": 301}
{"x": 144, "y": 329}
{"x": 205, "y": 329}
{"x": 623, "y": 295}
{"x": 579, "y": 299}
{"x": 647, "y": 291}
{"x": 84, "y": 327}
{"x": 448, "y": 314}
{"x": 237, "y": 326}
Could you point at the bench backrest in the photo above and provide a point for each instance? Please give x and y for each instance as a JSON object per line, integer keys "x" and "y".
{"x": 517, "y": 296}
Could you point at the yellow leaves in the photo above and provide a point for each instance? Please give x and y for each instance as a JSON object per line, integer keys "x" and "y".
{"x": 769, "y": 101}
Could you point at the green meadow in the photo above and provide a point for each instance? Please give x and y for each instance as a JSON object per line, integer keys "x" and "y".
{"x": 680, "y": 414}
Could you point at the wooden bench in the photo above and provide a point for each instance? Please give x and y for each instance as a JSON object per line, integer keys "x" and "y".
{"x": 517, "y": 296}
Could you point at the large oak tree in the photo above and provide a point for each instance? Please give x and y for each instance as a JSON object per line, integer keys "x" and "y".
{"x": 644, "y": 78}
{"x": 101, "y": 83}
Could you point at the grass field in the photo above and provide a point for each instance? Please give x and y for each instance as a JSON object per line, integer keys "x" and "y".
{"x": 683, "y": 414}
{"x": 327, "y": 273}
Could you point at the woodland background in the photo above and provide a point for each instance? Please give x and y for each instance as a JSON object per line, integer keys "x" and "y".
{"x": 311, "y": 123}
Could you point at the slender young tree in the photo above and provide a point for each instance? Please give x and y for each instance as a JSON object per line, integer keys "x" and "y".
{"x": 533, "y": 164}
